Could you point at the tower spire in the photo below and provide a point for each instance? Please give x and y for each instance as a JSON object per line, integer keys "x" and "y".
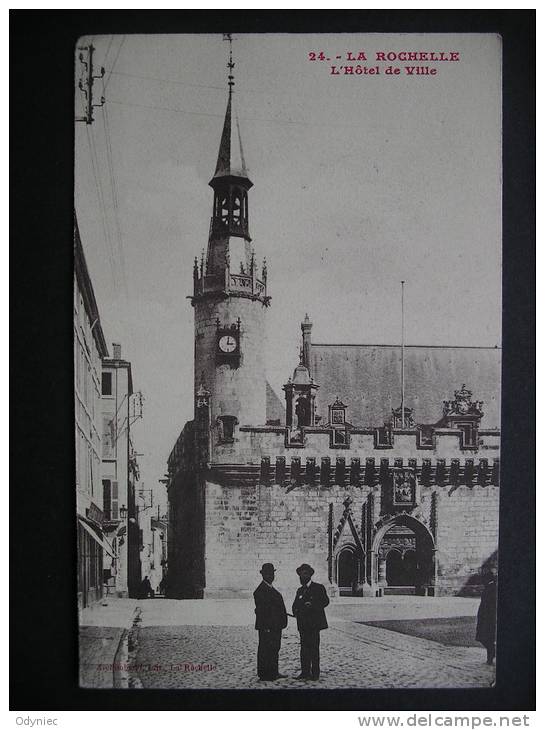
{"x": 230, "y": 263}
{"x": 231, "y": 160}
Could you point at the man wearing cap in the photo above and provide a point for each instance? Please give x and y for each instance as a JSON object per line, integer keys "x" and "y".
{"x": 308, "y": 608}
{"x": 270, "y": 619}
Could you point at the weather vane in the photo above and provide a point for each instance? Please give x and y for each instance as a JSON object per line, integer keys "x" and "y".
{"x": 230, "y": 63}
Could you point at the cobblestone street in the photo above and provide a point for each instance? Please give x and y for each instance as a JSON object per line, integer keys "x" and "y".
{"x": 222, "y": 652}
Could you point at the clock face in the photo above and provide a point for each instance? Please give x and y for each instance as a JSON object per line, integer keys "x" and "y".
{"x": 227, "y": 343}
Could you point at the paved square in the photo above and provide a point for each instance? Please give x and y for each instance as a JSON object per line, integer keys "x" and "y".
{"x": 180, "y": 655}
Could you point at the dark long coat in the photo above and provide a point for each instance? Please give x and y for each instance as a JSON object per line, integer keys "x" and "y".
{"x": 486, "y": 615}
{"x": 312, "y": 616}
{"x": 270, "y": 610}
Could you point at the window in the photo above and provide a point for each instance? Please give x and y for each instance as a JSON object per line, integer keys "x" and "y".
{"x": 226, "y": 426}
{"x": 115, "y": 501}
{"x": 337, "y": 416}
{"x": 110, "y": 493}
{"x": 384, "y": 436}
{"x": 339, "y": 438}
{"x": 469, "y": 434}
{"x": 107, "y": 498}
{"x": 106, "y": 383}
{"x": 107, "y": 437}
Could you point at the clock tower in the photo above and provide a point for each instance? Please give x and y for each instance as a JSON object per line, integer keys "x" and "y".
{"x": 229, "y": 297}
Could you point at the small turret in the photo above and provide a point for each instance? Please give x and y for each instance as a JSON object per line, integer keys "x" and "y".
{"x": 300, "y": 396}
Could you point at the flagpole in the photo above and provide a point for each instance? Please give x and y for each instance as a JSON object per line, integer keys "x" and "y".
{"x": 402, "y": 356}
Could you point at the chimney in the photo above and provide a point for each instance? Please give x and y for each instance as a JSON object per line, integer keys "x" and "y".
{"x": 117, "y": 351}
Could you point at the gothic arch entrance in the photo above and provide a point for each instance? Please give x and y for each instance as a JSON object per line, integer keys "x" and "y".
{"x": 348, "y": 571}
{"x": 404, "y": 556}
{"x": 394, "y": 568}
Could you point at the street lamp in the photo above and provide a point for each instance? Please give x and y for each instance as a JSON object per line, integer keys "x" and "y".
{"x": 122, "y": 511}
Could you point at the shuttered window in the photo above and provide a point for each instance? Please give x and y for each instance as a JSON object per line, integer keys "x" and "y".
{"x": 115, "y": 501}
{"x": 107, "y": 498}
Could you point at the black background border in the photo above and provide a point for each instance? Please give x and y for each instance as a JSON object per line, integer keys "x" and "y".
{"x": 43, "y": 654}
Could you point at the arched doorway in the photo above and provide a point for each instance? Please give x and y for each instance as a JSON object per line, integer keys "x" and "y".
{"x": 394, "y": 568}
{"x": 405, "y": 556}
{"x": 409, "y": 568}
{"x": 348, "y": 571}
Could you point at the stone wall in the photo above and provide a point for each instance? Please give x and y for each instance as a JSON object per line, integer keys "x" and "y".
{"x": 257, "y": 500}
{"x": 467, "y": 536}
{"x": 234, "y": 391}
{"x": 247, "y": 526}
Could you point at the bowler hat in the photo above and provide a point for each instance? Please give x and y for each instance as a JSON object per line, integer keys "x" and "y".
{"x": 267, "y": 568}
{"x": 304, "y": 566}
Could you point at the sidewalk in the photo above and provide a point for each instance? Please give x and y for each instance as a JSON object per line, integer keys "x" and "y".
{"x": 101, "y": 629}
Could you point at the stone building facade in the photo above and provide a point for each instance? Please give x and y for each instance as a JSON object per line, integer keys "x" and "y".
{"x": 330, "y": 472}
{"x": 120, "y": 475}
{"x": 89, "y": 349}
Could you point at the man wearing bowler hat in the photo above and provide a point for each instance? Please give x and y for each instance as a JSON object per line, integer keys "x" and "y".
{"x": 270, "y": 619}
{"x": 308, "y": 608}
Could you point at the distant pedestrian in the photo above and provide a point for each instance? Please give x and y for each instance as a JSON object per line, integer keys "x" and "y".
{"x": 146, "y": 591}
{"x": 308, "y": 608}
{"x": 270, "y": 619}
{"x": 486, "y": 615}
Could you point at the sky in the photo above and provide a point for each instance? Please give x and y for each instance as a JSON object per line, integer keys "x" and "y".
{"x": 360, "y": 181}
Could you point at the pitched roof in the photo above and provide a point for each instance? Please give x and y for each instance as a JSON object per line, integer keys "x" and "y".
{"x": 367, "y": 378}
{"x": 276, "y": 410}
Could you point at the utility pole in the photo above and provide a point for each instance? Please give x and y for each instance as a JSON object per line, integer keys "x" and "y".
{"x": 402, "y": 357}
{"x": 86, "y": 83}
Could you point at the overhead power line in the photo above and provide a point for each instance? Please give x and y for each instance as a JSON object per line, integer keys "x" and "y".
{"x": 113, "y": 185}
{"x": 101, "y": 203}
{"x": 108, "y": 51}
{"x": 115, "y": 61}
{"x": 167, "y": 81}
{"x": 207, "y": 114}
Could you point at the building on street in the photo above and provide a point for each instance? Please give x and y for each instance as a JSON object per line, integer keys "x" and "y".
{"x": 89, "y": 350}
{"x": 376, "y": 464}
{"x": 120, "y": 474}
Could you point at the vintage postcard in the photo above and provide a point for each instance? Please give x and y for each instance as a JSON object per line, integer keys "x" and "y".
{"x": 287, "y": 333}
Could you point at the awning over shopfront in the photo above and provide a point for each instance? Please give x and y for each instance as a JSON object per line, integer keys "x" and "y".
{"x": 105, "y": 545}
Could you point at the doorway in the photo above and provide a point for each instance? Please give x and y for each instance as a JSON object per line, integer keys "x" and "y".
{"x": 401, "y": 568}
{"x": 405, "y": 557}
{"x": 348, "y": 572}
